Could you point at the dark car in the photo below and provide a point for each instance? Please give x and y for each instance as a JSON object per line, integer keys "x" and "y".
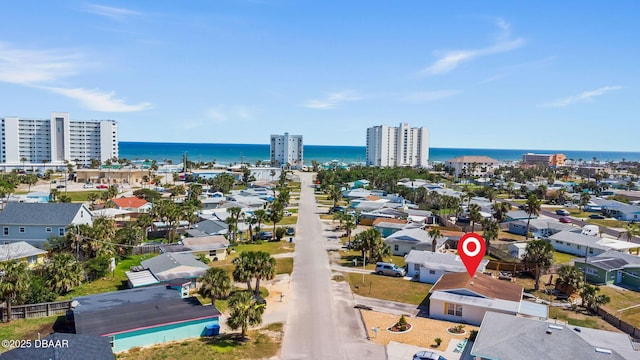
{"x": 427, "y": 355}
{"x": 562, "y": 212}
{"x": 565, "y": 220}
{"x": 336, "y": 209}
{"x": 596, "y": 216}
{"x": 60, "y": 186}
{"x": 291, "y": 231}
{"x": 264, "y": 235}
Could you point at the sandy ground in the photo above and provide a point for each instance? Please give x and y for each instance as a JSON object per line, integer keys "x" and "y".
{"x": 422, "y": 334}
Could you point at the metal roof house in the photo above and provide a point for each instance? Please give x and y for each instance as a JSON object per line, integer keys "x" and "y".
{"x": 458, "y": 297}
{"x": 23, "y": 252}
{"x": 509, "y": 337}
{"x": 403, "y": 241}
{"x": 142, "y": 317}
{"x": 35, "y": 223}
{"x": 166, "y": 267}
{"x": 577, "y": 244}
{"x": 428, "y": 267}
{"x": 612, "y": 267}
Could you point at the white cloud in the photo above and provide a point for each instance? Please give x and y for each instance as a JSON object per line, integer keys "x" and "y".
{"x": 586, "y": 96}
{"x": 99, "y": 101}
{"x": 20, "y": 66}
{"x": 449, "y": 60}
{"x": 428, "y": 96}
{"x": 222, "y": 113}
{"x": 332, "y": 100}
{"x": 111, "y": 12}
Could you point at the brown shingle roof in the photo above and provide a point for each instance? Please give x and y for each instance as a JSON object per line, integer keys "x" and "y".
{"x": 385, "y": 220}
{"x": 481, "y": 284}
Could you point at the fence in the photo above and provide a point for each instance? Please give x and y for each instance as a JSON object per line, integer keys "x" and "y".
{"x": 146, "y": 249}
{"x": 443, "y": 221}
{"x": 622, "y": 325}
{"x": 36, "y": 310}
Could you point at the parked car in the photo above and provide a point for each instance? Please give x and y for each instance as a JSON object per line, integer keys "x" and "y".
{"x": 565, "y": 220}
{"x": 87, "y": 186}
{"x": 428, "y": 355}
{"x": 264, "y": 235}
{"x": 562, "y": 212}
{"x": 571, "y": 205}
{"x": 290, "y": 231}
{"x": 390, "y": 269}
{"x": 336, "y": 209}
{"x": 596, "y": 216}
{"x": 287, "y": 213}
{"x": 60, "y": 186}
{"x": 102, "y": 186}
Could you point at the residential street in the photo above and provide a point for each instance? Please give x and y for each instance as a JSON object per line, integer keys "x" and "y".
{"x": 321, "y": 322}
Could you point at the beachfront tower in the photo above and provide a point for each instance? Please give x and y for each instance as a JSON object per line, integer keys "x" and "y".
{"x": 397, "y": 146}
{"x": 51, "y": 142}
{"x": 287, "y": 149}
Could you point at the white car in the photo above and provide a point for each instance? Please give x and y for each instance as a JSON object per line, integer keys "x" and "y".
{"x": 87, "y": 186}
{"x": 287, "y": 213}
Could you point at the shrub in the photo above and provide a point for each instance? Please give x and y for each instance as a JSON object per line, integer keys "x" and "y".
{"x": 438, "y": 341}
{"x": 472, "y": 335}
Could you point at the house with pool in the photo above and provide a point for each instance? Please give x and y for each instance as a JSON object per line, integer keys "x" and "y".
{"x": 143, "y": 317}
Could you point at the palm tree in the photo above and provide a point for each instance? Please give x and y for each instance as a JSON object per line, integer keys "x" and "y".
{"x": 474, "y": 215}
{"x": 585, "y": 197}
{"x": 533, "y": 209}
{"x": 63, "y": 273}
{"x": 434, "y": 234}
{"x": 245, "y": 311}
{"x": 23, "y": 160}
{"x": 264, "y": 268}
{"x": 490, "y": 232}
{"x": 215, "y": 283}
{"x": 540, "y": 253}
{"x": 261, "y": 216}
{"x": 349, "y": 226}
{"x": 590, "y": 298}
{"x": 14, "y": 282}
{"x": 570, "y": 275}
{"x": 500, "y": 210}
{"x": 335, "y": 194}
{"x": 277, "y": 213}
{"x": 631, "y": 230}
{"x": 244, "y": 269}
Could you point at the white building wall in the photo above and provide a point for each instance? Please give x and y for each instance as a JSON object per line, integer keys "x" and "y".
{"x": 397, "y": 146}
{"x": 574, "y": 249}
{"x": 470, "y": 314}
{"x": 287, "y": 149}
{"x": 10, "y": 151}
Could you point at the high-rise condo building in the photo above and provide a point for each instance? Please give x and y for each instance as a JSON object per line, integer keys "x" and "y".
{"x": 287, "y": 149}
{"x": 54, "y": 140}
{"x": 397, "y": 146}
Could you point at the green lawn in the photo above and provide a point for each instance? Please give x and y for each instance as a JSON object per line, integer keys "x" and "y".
{"x": 322, "y": 197}
{"x": 272, "y": 247}
{"x": 112, "y": 282}
{"x": 608, "y": 223}
{"x": 287, "y": 220}
{"x": 284, "y": 266}
{"x": 347, "y": 257}
{"x": 561, "y": 258}
{"x": 80, "y": 196}
{"x": 326, "y": 217}
{"x": 261, "y": 344}
{"x": 325, "y": 202}
{"x": 389, "y": 288}
{"x": 27, "y": 329}
{"x": 622, "y": 299}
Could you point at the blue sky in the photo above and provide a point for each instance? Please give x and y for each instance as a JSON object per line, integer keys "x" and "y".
{"x": 478, "y": 74}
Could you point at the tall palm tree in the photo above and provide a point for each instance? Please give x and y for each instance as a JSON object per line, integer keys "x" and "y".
{"x": 335, "y": 194}
{"x": 631, "y": 230}
{"x": 264, "y": 268}
{"x": 349, "y": 226}
{"x": 490, "y": 232}
{"x": 500, "y": 210}
{"x": 215, "y": 283}
{"x": 434, "y": 234}
{"x": 14, "y": 282}
{"x": 585, "y": 197}
{"x": 244, "y": 270}
{"x": 245, "y": 311}
{"x": 277, "y": 213}
{"x": 533, "y": 209}
{"x": 474, "y": 215}
{"x": 570, "y": 275}
{"x": 540, "y": 253}
{"x": 261, "y": 216}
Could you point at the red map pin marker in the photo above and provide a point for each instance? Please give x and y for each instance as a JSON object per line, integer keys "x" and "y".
{"x": 471, "y": 249}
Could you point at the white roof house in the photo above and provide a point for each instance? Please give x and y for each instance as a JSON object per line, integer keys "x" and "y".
{"x": 577, "y": 244}
{"x": 403, "y": 241}
{"x": 428, "y": 267}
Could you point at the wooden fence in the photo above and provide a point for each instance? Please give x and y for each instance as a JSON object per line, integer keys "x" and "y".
{"x": 146, "y": 249}
{"x": 619, "y": 324}
{"x": 36, "y": 310}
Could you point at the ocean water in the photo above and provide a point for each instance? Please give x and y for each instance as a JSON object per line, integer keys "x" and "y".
{"x": 235, "y": 153}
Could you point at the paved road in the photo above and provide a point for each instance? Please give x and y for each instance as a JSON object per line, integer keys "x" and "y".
{"x": 321, "y": 323}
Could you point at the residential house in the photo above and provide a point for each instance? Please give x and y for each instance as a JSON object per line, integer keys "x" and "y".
{"x": 169, "y": 266}
{"x": 356, "y": 193}
{"x": 58, "y": 346}
{"x": 142, "y": 317}
{"x": 428, "y": 267}
{"x": 117, "y": 215}
{"x": 387, "y": 226}
{"x": 515, "y": 215}
{"x": 132, "y": 203}
{"x": 472, "y": 165}
{"x": 212, "y": 227}
{"x": 403, "y": 241}
{"x": 581, "y": 245}
{"x": 35, "y": 223}
{"x": 509, "y": 337}
{"x": 539, "y": 228}
{"x": 458, "y": 297}
{"x": 213, "y": 247}
{"x": 22, "y": 252}
{"x": 612, "y": 267}
{"x": 618, "y": 210}
{"x": 362, "y": 183}
{"x": 422, "y": 217}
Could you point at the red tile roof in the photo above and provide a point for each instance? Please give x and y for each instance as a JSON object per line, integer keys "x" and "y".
{"x": 129, "y": 202}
